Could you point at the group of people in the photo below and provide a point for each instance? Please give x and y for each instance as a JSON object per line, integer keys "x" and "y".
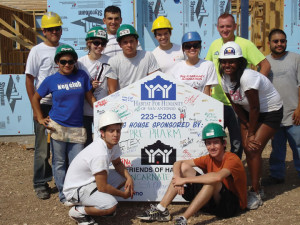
{"x": 257, "y": 106}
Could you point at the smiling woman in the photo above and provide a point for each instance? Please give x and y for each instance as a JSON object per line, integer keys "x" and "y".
{"x": 195, "y": 72}
{"x": 258, "y": 106}
{"x": 68, "y": 87}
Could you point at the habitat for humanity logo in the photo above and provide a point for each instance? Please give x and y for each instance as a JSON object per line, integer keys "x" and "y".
{"x": 158, "y": 154}
{"x": 158, "y": 89}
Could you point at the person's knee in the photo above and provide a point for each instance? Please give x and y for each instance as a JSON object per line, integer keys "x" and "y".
{"x": 186, "y": 170}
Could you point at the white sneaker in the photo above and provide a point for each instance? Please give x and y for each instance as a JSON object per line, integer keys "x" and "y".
{"x": 262, "y": 193}
{"x": 80, "y": 218}
{"x": 68, "y": 203}
{"x": 254, "y": 200}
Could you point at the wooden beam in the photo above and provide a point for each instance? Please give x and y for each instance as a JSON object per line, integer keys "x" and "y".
{"x": 28, "y": 27}
{"x": 14, "y": 31}
{"x": 15, "y": 38}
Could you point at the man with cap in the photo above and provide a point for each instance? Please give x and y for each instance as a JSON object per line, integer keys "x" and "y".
{"x": 90, "y": 183}
{"x": 40, "y": 64}
{"x": 226, "y": 26}
{"x": 221, "y": 190}
{"x": 167, "y": 54}
{"x": 131, "y": 65}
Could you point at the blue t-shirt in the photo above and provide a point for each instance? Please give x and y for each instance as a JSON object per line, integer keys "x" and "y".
{"x": 68, "y": 93}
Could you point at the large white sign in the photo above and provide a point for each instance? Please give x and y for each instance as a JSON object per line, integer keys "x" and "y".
{"x": 163, "y": 122}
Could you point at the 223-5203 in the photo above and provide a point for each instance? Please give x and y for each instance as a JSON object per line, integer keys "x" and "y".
{"x": 161, "y": 116}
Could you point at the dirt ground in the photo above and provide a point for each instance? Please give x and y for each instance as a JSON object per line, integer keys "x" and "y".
{"x": 19, "y": 205}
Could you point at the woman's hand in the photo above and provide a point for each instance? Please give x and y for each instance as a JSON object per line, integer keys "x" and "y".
{"x": 45, "y": 122}
{"x": 252, "y": 144}
{"x": 95, "y": 84}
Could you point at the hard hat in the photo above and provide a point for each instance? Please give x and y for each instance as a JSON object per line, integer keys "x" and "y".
{"x": 230, "y": 50}
{"x": 65, "y": 49}
{"x": 213, "y": 130}
{"x": 51, "y": 19}
{"x": 109, "y": 118}
{"x": 160, "y": 23}
{"x": 96, "y": 32}
{"x": 190, "y": 36}
{"x": 125, "y": 30}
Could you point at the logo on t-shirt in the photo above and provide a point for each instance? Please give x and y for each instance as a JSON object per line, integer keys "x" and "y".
{"x": 68, "y": 86}
{"x": 158, "y": 154}
{"x": 158, "y": 89}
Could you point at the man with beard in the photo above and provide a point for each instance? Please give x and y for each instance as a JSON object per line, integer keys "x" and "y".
{"x": 285, "y": 76}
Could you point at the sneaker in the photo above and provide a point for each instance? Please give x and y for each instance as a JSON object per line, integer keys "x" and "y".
{"x": 180, "y": 221}
{"x": 80, "y": 218}
{"x": 68, "y": 203}
{"x": 154, "y": 214}
{"x": 262, "y": 193}
{"x": 254, "y": 200}
{"x": 272, "y": 181}
{"x": 43, "y": 193}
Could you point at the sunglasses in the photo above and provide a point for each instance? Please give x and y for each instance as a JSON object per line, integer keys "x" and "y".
{"x": 64, "y": 62}
{"x": 97, "y": 43}
{"x": 189, "y": 46}
{"x": 51, "y": 29}
{"x": 282, "y": 41}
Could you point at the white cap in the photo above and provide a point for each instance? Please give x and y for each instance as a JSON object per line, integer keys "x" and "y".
{"x": 230, "y": 50}
{"x": 109, "y": 118}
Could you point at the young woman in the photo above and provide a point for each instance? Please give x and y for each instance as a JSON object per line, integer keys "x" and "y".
{"x": 68, "y": 87}
{"x": 258, "y": 106}
{"x": 95, "y": 64}
{"x": 198, "y": 73}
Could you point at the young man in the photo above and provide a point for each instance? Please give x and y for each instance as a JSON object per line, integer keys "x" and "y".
{"x": 221, "y": 190}
{"x": 89, "y": 183}
{"x": 226, "y": 27}
{"x": 113, "y": 19}
{"x": 167, "y": 54}
{"x": 131, "y": 64}
{"x": 285, "y": 76}
{"x": 40, "y": 64}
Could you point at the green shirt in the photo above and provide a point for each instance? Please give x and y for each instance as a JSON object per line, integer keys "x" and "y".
{"x": 250, "y": 52}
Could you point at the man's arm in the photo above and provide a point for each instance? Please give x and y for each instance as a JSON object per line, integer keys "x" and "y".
{"x": 30, "y": 89}
{"x": 296, "y": 114}
{"x": 112, "y": 85}
{"x": 121, "y": 169}
{"x": 103, "y": 186}
{"x": 265, "y": 67}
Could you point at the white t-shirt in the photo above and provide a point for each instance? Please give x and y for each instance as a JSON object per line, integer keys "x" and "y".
{"x": 93, "y": 69}
{"x": 197, "y": 76}
{"x": 130, "y": 70}
{"x": 95, "y": 158}
{"x": 166, "y": 59}
{"x": 269, "y": 98}
{"x": 113, "y": 48}
{"x": 40, "y": 64}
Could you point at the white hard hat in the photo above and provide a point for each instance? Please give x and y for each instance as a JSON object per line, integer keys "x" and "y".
{"x": 109, "y": 118}
{"x": 230, "y": 50}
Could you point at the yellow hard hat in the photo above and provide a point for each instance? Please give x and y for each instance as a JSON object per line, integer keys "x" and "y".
{"x": 51, "y": 19}
{"x": 160, "y": 23}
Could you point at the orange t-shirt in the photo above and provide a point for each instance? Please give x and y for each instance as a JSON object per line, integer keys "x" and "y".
{"x": 236, "y": 182}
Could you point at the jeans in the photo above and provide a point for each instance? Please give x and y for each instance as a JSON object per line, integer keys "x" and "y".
{"x": 231, "y": 123}
{"x": 278, "y": 154}
{"x": 42, "y": 171}
{"x": 62, "y": 155}
{"x": 87, "y": 124}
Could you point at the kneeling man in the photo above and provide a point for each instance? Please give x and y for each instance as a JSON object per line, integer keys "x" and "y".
{"x": 221, "y": 190}
{"x": 89, "y": 182}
